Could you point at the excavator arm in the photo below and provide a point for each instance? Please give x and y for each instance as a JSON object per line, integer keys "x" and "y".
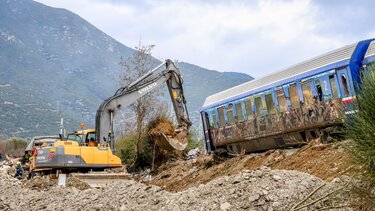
{"x": 127, "y": 95}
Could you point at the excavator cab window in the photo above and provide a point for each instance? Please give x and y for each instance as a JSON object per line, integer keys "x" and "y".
{"x": 75, "y": 137}
{"x": 90, "y": 138}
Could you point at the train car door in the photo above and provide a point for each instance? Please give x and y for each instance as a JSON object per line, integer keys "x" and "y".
{"x": 344, "y": 83}
{"x": 346, "y": 91}
{"x": 207, "y": 131}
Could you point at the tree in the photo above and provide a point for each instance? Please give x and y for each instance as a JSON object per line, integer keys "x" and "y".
{"x": 134, "y": 67}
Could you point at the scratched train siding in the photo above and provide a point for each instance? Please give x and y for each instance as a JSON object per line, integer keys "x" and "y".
{"x": 280, "y": 129}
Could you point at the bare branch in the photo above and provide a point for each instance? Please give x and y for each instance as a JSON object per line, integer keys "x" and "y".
{"x": 135, "y": 67}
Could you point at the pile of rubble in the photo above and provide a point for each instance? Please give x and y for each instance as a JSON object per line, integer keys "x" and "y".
{"x": 262, "y": 189}
{"x": 7, "y": 169}
{"x": 46, "y": 183}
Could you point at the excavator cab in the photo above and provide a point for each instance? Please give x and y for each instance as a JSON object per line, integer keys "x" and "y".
{"x": 83, "y": 137}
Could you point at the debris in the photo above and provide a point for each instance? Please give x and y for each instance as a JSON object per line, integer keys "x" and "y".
{"x": 164, "y": 127}
{"x": 77, "y": 183}
{"x": 225, "y": 206}
{"x": 245, "y": 182}
{"x": 167, "y": 136}
{"x": 45, "y": 183}
{"x": 194, "y": 153}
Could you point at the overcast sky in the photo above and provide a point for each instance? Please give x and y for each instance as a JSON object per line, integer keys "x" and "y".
{"x": 254, "y": 37}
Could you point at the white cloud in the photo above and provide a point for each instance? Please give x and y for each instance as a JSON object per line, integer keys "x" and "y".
{"x": 256, "y": 38}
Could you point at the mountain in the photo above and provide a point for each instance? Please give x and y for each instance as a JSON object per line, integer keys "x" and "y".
{"x": 55, "y": 64}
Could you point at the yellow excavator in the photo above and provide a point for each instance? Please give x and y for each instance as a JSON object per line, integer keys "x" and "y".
{"x": 92, "y": 149}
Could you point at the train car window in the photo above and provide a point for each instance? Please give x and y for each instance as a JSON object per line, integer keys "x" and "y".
{"x": 221, "y": 116}
{"x": 269, "y": 103}
{"x": 344, "y": 83}
{"x": 332, "y": 82}
{"x": 319, "y": 90}
{"x": 249, "y": 112}
{"x": 214, "y": 119}
{"x": 258, "y": 105}
{"x": 208, "y": 121}
{"x": 282, "y": 100}
{"x": 239, "y": 112}
{"x": 294, "y": 98}
{"x": 307, "y": 93}
{"x": 230, "y": 114}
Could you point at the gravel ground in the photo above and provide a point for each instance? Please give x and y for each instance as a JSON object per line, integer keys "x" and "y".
{"x": 262, "y": 189}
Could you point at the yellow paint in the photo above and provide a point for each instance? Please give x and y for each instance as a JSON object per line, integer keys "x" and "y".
{"x": 87, "y": 154}
{"x": 91, "y": 155}
{"x": 101, "y": 156}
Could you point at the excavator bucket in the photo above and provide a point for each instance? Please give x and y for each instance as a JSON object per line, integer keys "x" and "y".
{"x": 167, "y": 142}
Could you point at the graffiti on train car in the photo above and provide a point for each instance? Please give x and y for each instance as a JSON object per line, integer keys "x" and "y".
{"x": 318, "y": 114}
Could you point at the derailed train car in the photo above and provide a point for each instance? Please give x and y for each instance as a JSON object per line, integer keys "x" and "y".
{"x": 288, "y": 107}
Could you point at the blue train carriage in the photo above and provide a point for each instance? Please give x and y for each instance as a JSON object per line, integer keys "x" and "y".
{"x": 289, "y": 107}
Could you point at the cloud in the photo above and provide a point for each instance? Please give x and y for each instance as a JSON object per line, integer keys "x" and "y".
{"x": 255, "y": 37}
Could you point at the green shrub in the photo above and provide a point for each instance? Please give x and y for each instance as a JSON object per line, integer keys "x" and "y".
{"x": 361, "y": 127}
{"x": 125, "y": 149}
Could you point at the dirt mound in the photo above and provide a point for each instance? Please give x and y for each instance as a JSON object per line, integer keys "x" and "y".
{"x": 46, "y": 183}
{"x": 39, "y": 183}
{"x": 326, "y": 161}
{"x": 180, "y": 175}
{"x": 164, "y": 127}
{"x": 77, "y": 183}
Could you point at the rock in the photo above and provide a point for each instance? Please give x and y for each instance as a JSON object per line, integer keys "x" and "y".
{"x": 192, "y": 154}
{"x": 276, "y": 177}
{"x": 225, "y": 206}
{"x": 273, "y": 190}
{"x": 254, "y": 197}
{"x": 193, "y": 170}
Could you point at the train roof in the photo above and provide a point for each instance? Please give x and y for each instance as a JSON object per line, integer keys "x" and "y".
{"x": 330, "y": 60}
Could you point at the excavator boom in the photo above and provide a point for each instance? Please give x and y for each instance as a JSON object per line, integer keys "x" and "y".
{"x": 125, "y": 96}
